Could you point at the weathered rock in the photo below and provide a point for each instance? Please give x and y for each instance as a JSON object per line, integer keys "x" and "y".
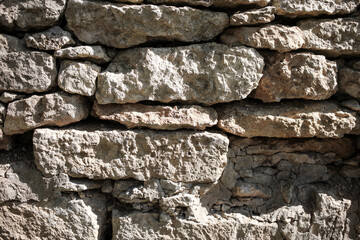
{"x": 24, "y": 15}
{"x": 308, "y": 8}
{"x": 243, "y": 189}
{"x": 239, "y": 3}
{"x": 157, "y": 117}
{"x": 55, "y": 109}
{"x": 78, "y": 78}
{"x": 96, "y": 54}
{"x": 356, "y": 65}
{"x": 129, "y": 24}
{"x": 52, "y": 39}
{"x": 5, "y": 141}
{"x": 11, "y": 44}
{"x": 297, "y": 75}
{"x": 352, "y": 104}
{"x": 350, "y": 172}
{"x": 275, "y": 37}
{"x": 63, "y": 218}
{"x": 332, "y": 37}
{"x": 64, "y": 183}
{"x": 349, "y": 82}
{"x": 184, "y": 156}
{"x": 251, "y": 17}
{"x": 323, "y": 119}
{"x": 205, "y": 3}
{"x": 7, "y": 97}
{"x": 190, "y": 74}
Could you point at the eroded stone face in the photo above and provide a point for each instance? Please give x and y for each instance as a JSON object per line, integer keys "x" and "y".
{"x": 323, "y": 119}
{"x": 262, "y": 15}
{"x": 96, "y": 54}
{"x": 184, "y": 156}
{"x": 297, "y": 75}
{"x": 238, "y": 3}
{"x": 129, "y": 24}
{"x": 349, "y": 82}
{"x": 203, "y": 73}
{"x": 205, "y": 3}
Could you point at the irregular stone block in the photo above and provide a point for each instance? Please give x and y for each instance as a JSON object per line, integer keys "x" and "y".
{"x": 184, "y": 156}
{"x": 352, "y": 104}
{"x": 239, "y": 3}
{"x": 11, "y": 44}
{"x": 323, "y": 119}
{"x": 349, "y": 82}
{"x": 96, "y": 54}
{"x": 7, "y": 97}
{"x": 243, "y": 189}
{"x": 55, "y": 109}
{"x": 5, "y": 141}
{"x": 78, "y": 78}
{"x": 350, "y": 172}
{"x": 205, "y": 3}
{"x": 275, "y": 37}
{"x": 190, "y": 74}
{"x": 25, "y": 15}
{"x": 128, "y": 25}
{"x": 332, "y": 37}
{"x": 297, "y": 75}
{"x": 306, "y": 8}
{"x": 52, "y": 39}
{"x": 262, "y": 15}
{"x": 64, "y": 183}
{"x": 157, "y": 117}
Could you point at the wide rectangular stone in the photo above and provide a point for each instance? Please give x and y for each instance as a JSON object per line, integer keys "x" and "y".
{"x": 184, "y": 156}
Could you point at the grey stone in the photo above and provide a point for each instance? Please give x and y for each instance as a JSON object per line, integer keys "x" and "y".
{"x": 96, "y": 54}
{"x": 243, "y": 189}
{"x": 350, "y": 171}
{"x": 205, "y": 3}
{"x": 5, "y": 141}
{"x": 239, "y": 3}
{"x": 352, "y": 104}
{"x": 349, "y": 82}
{"x": 7, "y": 97}
{"x": 251, "y": 17}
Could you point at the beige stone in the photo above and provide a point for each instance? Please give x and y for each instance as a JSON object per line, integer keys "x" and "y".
{"x": 188, "y": 74}
{"x": 129, "y": 25}
{"x": 349, "y": 82}
{"x": 5, "y": 141}
{"x": 184, "y": 156}
{"x": 297, "y": 75}
{"x": 96, "y": 54}
{"x": 204, "y": 3}
{"x": 275, "y": 37}
{"x": 251, "y": 17}
{"x": 7, "y": 97}
{"x": 239, "y": 3}
{"x": 243, "y": 189}
{"x": 157, "y": 117}
{"x": 78, "y": 77}
{"x": 54, "y": 109}
{"x": 322, "y": 119}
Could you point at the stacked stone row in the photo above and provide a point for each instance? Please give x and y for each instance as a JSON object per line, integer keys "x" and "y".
{"x": 162, "y": 106}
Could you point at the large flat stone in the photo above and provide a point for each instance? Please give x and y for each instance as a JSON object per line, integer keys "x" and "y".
{"x": 54, "y": 109}
{"x": 297, "y": 75}
{"x": 128, "y": 25}
{"x": 184, "y": 156}
{"x": 189, "y": 74}
{"x": 323, "y": 119}
{"x": 349, "y": 82}
{"x": 157, "y": 117}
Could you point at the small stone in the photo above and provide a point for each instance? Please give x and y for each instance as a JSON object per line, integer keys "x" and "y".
{"x": 78, "y": 78}
{"x": 239, "y": 3}
{"x": 64, "y": 183}
{"x": 5, "y": 141}
{"x": 322, "y": 119}
{"x": 297, "y": 75}
{"x": 55, "y": 109}
{"x": 157, "y": 117}
{"x": 356, "y": 65}
{"x": 11, "y": 44}
{"x": 204, "y": 3}
{"x": 7, "y": 97}
{"x": 107, "y": 187}
{"x": 251, "y": 17}
{"x": 350, "y": 172}
{"x": 128, "y": 25}
{"x": 352, "y": 104}
{"x": 275, "y": 37}
{"x": 96, "y": 54}
{"x": 52, "y": 39}
{"x": 243, "y": 189}
{"x": 349, "y": 82}
{"x": 188, "y": 74}
{"x": 309, "y": 173}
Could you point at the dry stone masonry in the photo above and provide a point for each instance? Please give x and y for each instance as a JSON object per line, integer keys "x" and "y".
{"x": 179, "y": 119}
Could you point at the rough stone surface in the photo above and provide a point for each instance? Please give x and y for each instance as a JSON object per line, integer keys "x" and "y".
{"x": 302, "y": 8}
{"x": 52, "y": 39}
{"x": 25, "y": 15}
{"x": 275, "y": 37}
{"x": 5, "y": 141}
{"x": 157, "y": 117}
{"x": 55, "y": 109}
{"x": 262, "y": 15}
{"x": 352, "y": 104}
{"x": 323, "y": 119}
{"x": 297, "y": 75}
{"x": 184, "y": 156}
{"x": 251, "y": 190}
{"x": 205, "y": 3}
{"x": 129, "y": 24}
{"x": 190, "y": 74}
{"x": 7, "y": 97}
{"x": 332, "y": 37}
{"x": 349, "y": 82}
{"x": 239, "y": 3}
{"x": 96, "y": 54}
{"x": 78, "y": 78}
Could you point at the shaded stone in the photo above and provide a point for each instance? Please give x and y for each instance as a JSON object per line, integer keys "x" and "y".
{"x": 323, "y": 119}
{"x": 332, "y": 37}
{"x": 5, "y": 141}
{"x": 24, "y": 15}
{"x": 157, "y": 117}
{"x": 306, "y": 8}
{"x": 352, "y": 104}
{"x": 96, "y": 54}
{"x": 191, "y": 74}
{"x": 251, "y": 17}
{"x": 205, "y": 3}
{"x": 275, "y": 37}
{"x": 64, "y": 183}
{"x": 349, "y": 82}
{"x": 297, "y": 75}
{"x": 350, "y": 172}
{"x": 55, "y": 109}
{"x": 243, "y": 189}
{"x": 7, "y": 97}
{"x": 11, "y": 44}
{"x": 184, "y": 156}
{"x": 239, "y": 3}
{"x": 129, "y": 24}
{"x": 52, "y": 39}
{"x": 78, "y": 78}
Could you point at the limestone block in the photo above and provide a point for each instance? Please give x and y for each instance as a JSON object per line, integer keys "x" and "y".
{"x": 251, "y": 17}
{"x": 96, "y": 54}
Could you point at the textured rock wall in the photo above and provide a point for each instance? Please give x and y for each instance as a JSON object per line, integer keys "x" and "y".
{"x": 179, "y": 119}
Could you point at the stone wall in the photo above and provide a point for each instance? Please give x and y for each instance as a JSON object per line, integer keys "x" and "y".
{"x": 179, "y": 119}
